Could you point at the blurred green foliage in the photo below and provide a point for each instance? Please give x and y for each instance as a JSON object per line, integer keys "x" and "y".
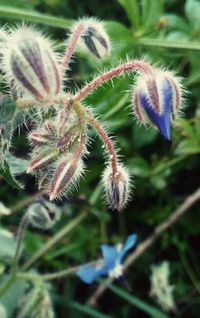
{"x": 167, "y": 33}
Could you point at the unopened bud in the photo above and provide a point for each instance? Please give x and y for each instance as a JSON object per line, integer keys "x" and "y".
{"x": 43, "y": 214}
{"x": 38, "y": 138}
{"x": 32, "y": 65}
{"x": 116, "y": 187}
{"x": 94, "y": 38}
{"x": 67, "y": 173}
{"x": 41, "y": 161}
{"x": 157, "y": 99}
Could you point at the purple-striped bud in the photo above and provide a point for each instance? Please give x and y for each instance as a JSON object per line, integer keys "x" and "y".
{"x": 41, "y": 161}
{"x": 94, "y": 38}
{"x": 157, "y": 99}
{"x": 32, "y": 65}
{"x": 66, "y": 174}
{"x": 117, "y": 187}
{"x": 38, "y": 138}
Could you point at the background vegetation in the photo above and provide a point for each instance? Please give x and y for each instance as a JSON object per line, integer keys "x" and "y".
{"x": 168, "y": 33}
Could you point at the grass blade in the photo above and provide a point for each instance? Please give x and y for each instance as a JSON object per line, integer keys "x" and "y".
{"x": 152, "y": 311}
{"x": 87, "y": 310}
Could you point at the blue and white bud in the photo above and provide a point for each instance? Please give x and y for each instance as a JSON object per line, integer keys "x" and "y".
{"x": 94, "y": 38}
{"x": 116, "y": 186}
{"x": 157, "y": 99}
{"x": 31, "y": 64}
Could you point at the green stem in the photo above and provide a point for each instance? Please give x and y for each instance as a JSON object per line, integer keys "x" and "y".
{"x": 21, "y": 229}
{"x": 15, "y": 13}
{"x": 68, "y": 228}
{"x": 169, "y": 44}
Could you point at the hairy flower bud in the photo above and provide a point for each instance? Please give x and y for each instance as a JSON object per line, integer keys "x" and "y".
{"x": 157, "y": 99}
{"x": 38, "y": 138}
{"x": 43, "y": 214}
{"x": 117, "y": 187}
{"x": 32, "y": 65}
{"x": 67, "y": 173}
{"x": 94, "y": 38}
{"x": 41, "y": 161}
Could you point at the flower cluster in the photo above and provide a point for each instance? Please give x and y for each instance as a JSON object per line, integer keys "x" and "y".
{"x": 35, "y": 74}
{"x": 111, "y": 264}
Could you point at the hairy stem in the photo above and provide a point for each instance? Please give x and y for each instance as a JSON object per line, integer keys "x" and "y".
{"x": 142, "y": 247}
{"x": 72, "y": 44}
{"x": 119, "y": 70}
{"x": 108, "y": 143}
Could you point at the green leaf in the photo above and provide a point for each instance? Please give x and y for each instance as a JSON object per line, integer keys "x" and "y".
{"x": 148, "y": 309}
{"x": 17, "y": 165}
{"x": 6, "y": 173}
{"x": 7, "y": 109}
{"x": 139, "y": 166}
{"x": 151, "y": 12}
{"x": 132, "y": 10}
{"x": 87, "y": 310}
{"x": 141, "y": 137}
{"x": 11, "y": 299}
{"x": 188, "y": 147}
{"x": 192, "y": 11}
{"x": 32, "y": 16}
{"x": 7, "y": 244}
{"x": 175, "y": 22}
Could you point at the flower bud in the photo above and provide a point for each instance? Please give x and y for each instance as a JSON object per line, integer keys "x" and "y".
{"x": 66, "y": 174}
{"x": 94, "y": 38}
{"x": 117, "y": 187}
{"x": 38, "y": 138}
{"x": 43, "y": 214}
{"x": 157, "y": 99}
{"x": 32, "y": 65}
{"x": 41, "y": 161}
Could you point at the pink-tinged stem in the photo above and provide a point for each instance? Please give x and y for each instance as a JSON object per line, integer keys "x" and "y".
{"x": 71, "y": 45}
{"x": 109, "y": 145}
{"x": 119, "y": 70}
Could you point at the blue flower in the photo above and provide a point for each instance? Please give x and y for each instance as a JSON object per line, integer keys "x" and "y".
{"x": 157, "y": 100}
{"x": 111, "y": 264}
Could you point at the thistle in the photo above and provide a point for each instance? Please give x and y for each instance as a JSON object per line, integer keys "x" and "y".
{"x": 59, "y": 138}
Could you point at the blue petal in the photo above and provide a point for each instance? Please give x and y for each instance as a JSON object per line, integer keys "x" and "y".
{"x": 110, "y": 255}
{"x": 88, "y": 273}
{"x": 162, "y": 121}
{"x": 130, "y": 242}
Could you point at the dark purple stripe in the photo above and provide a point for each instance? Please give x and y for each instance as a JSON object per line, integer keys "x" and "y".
{"x": 22, "y": 78}
{"x": 69, "y": 174}
{"x": 34, "y": 58}
{"x": 57, "y": 77}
